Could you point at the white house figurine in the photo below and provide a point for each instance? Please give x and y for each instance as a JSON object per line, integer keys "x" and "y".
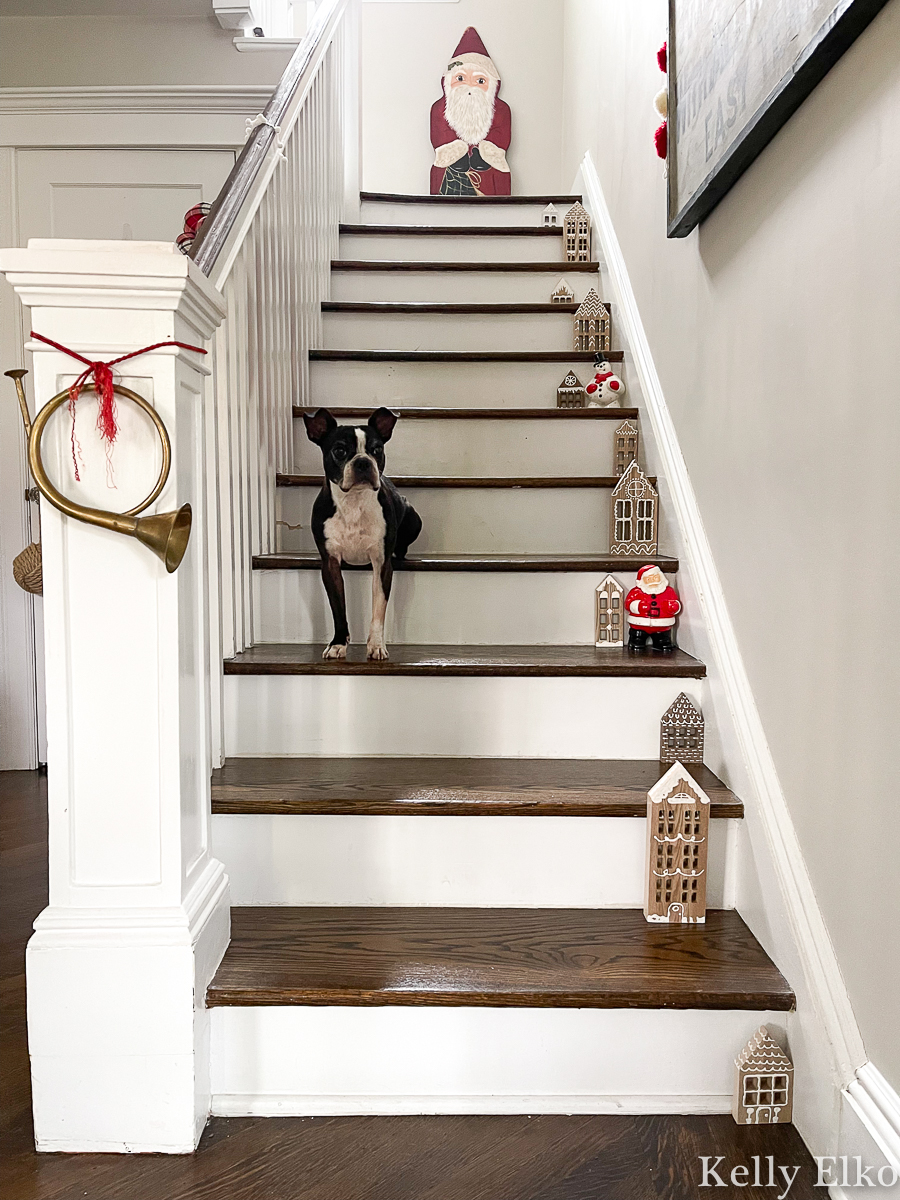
{"x": 551, "y": 216}
{"x": 609, "y": 614}
{"x": 562, "y": 294}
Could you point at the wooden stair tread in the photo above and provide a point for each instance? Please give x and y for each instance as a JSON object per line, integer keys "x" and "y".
{"x": 290, "y": 658}
{"x": 496, "y": 957}
{"x": 531, "y": 563}
{"x": 444, "y": 308}
{"x": 346, "y": 228}
{"x": 411, "y": 198}
{"x": 461, "y": 356}
{"x": 513, "y": 787}
{"x": 483, "y": 414}
{"x": 559, "y": 267}
{"x": 474, "y": 481}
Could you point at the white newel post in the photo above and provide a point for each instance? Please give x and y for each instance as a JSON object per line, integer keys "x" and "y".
{"x": 138, "y": 917}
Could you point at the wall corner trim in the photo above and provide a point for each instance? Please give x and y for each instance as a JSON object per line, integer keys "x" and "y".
{"x": 878, "y": 1107}
{"x": 814, "y": 946}
{"x": 155, "y": 98}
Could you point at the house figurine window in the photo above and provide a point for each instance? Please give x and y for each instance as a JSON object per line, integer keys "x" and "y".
{"x": 562, "y": 294}
{"x": 570, "y": 393}
{"x": 609, "y": 609}
{"x": 681, "y": 732}
{"x": 677, "y": 849}
{"x": 626, "y": 446}
{"x": 764, "y": 1083}
{"x": 577, "y": 234}
{"x": 634, "y": 514}
{"x": 592, "y": 324}
{"x": 551, "y": 216}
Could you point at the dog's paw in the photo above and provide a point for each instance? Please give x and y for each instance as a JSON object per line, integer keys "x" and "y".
{"x": 337, "y": 650}
{"x": 377, "y": 652}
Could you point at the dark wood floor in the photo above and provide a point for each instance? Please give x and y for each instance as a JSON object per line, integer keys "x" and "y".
{"x": 346, "y": 1158}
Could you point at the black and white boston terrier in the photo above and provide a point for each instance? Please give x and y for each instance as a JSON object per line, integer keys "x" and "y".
{"x": 358, "y": 517}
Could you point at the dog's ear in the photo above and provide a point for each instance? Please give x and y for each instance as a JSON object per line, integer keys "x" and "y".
{"x": 319, "y": 425}
{"x": 383, "y": 421}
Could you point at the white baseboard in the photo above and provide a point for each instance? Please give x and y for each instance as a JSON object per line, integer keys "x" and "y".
{"x": 280, "y": 1105}
{"x": 787, "y": 917}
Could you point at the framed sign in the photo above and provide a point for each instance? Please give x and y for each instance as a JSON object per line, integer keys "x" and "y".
{"x": 737, "y": 70}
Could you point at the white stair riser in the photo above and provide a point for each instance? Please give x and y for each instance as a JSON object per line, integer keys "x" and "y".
{"x": 485, "y": 448}
{"x": 461, "y": 384}
{"x": 484, "y": 520}
{"x": 298, "y": 1061}
{"x": 458, "y": 248}
{"x": 460, "y": 287}
{"x": 455, "y": 331}
{"x": 378, "y": 212}
{"x": 446, "y": 607}
{"x": 610, "y": 717}
{"x": 482, "y": 862}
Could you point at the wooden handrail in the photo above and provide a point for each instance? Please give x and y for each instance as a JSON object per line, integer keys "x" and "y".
{"x": 226, "y": 207}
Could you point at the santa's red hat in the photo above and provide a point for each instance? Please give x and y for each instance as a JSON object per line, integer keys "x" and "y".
{"x": 472, "y": 52}
{"x": 648, "y": 567}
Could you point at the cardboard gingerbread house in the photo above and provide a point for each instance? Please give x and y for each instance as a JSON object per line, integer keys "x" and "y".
{"x": 592, "y": 324}
{"x": 634, "y": 514}
{"x": 681, "y": 732}
{"x": 570, "y": 393}
{"x": 677, "y": 849}
{"x": 627, "y": 440}
{"x": 577, "y": 234}
{"x": 764, "y": 1083}
{"x": 562, "y": 294}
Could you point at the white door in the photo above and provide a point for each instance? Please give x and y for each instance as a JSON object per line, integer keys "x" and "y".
{"x": 139, "y": 195}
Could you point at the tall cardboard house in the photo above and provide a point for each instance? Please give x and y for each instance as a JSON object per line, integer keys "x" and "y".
{"x": 681, "y": 732}
{"x": 592, "y": 325}
{"x": 677, "y": 849}
{"x": 577, "y": 234}
{"x": 627, "y": 440}
{"x": 764, "y": 1083}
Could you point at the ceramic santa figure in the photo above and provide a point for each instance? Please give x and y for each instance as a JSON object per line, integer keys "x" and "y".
{"x": 470, "y": 127}
{"x": 651, "y": 607}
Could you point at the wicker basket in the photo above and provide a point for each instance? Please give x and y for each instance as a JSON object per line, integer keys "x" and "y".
{"x": 27, "y": 570}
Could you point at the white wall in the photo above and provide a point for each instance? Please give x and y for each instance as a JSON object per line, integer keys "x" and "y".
{"x": 773, "y": 329}
{"x": 91, "y": 51}
{"x": 406, "y": 48}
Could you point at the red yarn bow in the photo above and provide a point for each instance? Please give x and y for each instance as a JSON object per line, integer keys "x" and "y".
{"x": 107, "y": 426}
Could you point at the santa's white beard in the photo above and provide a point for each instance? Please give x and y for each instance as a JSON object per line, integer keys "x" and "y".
{"x": 470, "y": 112}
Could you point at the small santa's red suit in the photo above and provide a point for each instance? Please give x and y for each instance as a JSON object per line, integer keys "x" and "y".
{"x": 471, "y": 173}
{"x": 651, "y": 607}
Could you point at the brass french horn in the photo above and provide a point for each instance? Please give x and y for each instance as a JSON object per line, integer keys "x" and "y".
{"x": 166, "y": 534}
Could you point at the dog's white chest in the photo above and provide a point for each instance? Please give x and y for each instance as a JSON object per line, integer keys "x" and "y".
{"x": 355, "y": 534}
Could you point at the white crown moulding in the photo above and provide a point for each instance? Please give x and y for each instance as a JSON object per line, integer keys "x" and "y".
{"x": 155, "y": 98}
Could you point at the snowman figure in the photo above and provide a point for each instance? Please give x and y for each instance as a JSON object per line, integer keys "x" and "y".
{"x": 606, "y": 388}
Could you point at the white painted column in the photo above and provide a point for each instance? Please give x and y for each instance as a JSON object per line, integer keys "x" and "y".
{"x": 138, "y": 917}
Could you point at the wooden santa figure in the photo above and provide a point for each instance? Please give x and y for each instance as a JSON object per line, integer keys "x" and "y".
{"x": 470, "y": 126}
{"x": 652, "y": 606}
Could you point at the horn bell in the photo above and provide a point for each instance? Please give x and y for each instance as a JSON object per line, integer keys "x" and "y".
{"x": 166, "y": 534}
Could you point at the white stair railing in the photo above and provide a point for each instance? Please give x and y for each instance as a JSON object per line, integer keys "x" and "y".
{"x": 267, "y": 245}
{"x": 138, "y": 915}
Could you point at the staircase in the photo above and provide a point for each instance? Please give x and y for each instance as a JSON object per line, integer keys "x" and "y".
{"x": 408, "y": 936}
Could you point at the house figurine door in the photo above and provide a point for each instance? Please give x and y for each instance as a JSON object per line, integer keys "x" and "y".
{"x": 676, "y": 912}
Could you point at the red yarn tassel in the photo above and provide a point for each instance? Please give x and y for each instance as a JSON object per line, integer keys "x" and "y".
{"x": 107, "y": 424}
